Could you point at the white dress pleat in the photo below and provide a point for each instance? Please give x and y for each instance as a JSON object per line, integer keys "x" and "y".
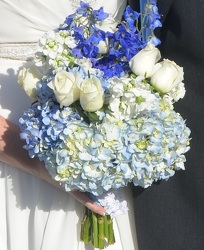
{"x": 33, "y": 214}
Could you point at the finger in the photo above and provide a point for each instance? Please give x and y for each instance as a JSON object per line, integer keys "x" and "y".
{"x": 86, "y": 201}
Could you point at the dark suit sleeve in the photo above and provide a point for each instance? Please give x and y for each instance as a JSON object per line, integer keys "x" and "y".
{"x": 135, "y": 4}
{"x": 170, "y": 215}
{"x": 164, "y": 6}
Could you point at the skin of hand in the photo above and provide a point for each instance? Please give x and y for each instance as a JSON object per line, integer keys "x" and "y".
{"x": 12, "y": 153}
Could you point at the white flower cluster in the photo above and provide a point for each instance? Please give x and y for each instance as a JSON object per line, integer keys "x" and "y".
{"x": 54, "y": 49}
{"x": 114, "y": 201}
{"x": 129, "y": 97}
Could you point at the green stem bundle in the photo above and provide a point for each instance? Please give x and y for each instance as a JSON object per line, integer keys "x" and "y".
{"x": 97, "y": 230}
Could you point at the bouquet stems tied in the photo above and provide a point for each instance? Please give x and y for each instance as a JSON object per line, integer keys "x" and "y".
{"x": 97, "y": 230}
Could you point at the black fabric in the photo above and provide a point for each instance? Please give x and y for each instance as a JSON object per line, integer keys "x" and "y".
{"x": 170, "y": 215}
{"x": 134, "y": 4}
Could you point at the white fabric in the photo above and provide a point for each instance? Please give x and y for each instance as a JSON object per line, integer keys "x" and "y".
{"x": 33, "y": 214}
{"x": 26, "y": 21}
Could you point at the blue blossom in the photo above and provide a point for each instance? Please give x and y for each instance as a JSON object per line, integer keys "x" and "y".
{"x": 97, "y": 36}
{"x": 69, "y": 20}
{"x": 130, "y": 15}
{"x": 89, "y": 50}
{"x": 153, "y": 15}
{"x": 100, "y": 14}
{"x": 83, "y": 9}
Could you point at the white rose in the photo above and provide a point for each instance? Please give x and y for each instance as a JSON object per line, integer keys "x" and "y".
{"x": 65, "y": 87}
{"x": 28, "y": 78}
{"x": 103, "y": 47}
{"x": 143, "y": 63}
{"x": 108, "y": 25}
{"x": 91, "y": 94}
{"x": 168, "y": 76}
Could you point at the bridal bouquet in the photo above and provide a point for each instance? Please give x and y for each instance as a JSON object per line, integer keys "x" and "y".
{"x": 103, "y": 113}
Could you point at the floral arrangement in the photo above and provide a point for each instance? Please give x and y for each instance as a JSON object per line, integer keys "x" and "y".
{"x": 103, "y": 113}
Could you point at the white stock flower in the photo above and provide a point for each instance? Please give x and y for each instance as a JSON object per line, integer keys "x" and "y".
{"x": 129, "y": 97}
{"x": 114, "y": 202}
{"x": 168, "y": 76}
{"x": 178, "y": 92}
{"x": 65, "y": 87}
{"x": 70, "y": 42}
{"x": 28, "y": 78}
{"x": 91, "y": 94}
{"x": 51, "y": 44}
{"x": 85, "y": 63}
{"x": 143, "y": 63}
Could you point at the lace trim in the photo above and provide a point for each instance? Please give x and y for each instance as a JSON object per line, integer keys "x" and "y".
{"x": 76, "y": 3}
{"x": 18, "y": 51}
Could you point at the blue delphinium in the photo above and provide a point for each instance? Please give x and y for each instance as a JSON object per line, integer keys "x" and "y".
{"x": 131, "y": 16}
{"x": 150, "y": 21}
{"x": 123, "y": 44}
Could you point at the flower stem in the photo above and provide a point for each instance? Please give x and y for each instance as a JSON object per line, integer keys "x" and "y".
{"x": 86, "y": 227}
{"x": 106, "y": 226}
{"x": 97, "y": 230}
{"x": 101, "y": 240}
{"x": 111, "y": 237}
{"x": 83, "y": 228}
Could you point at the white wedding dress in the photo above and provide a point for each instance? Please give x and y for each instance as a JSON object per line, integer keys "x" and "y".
{"x": 33, "y": 214}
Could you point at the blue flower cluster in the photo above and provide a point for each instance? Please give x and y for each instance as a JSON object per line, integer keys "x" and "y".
{"x": 123, "y": 44}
